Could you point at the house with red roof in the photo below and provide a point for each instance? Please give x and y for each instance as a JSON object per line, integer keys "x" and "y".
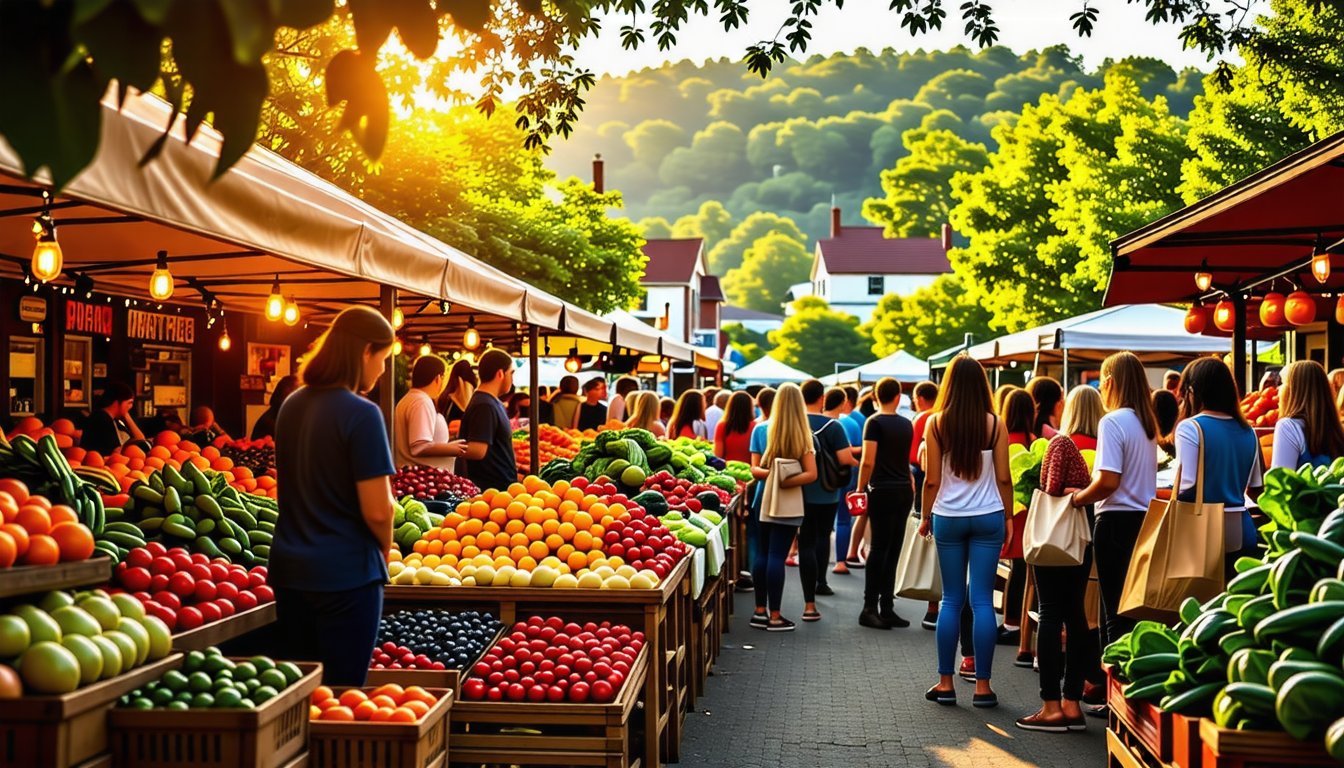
{"x": 856, "y": 266}
{"x": 682, "y": 297}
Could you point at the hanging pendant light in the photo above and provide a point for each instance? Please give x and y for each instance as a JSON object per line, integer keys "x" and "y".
{"x": 1203, "y": 278}
{"x": 1271, "y": 310}
{"x": 425, "y": 348}
{"x": 161, "y": 281}
{"x": 396, "y": 347}
{"x": 275, "y": 303}
{"x": 48, "y": 261}
{"x": 1196, "y": 319}
{"x": 291, "y": 312}
{"x": 1300, "y": 308}
{"x": 572, "y": 363}
{"x": 665, "y": 365}
{"x": 1320, "y": 266}
{"x": 398, "y": 318}
{"x": 1223, "y": 316}
{"x": 225, "y": 343}
{"x": 472, "y": 338}
{"x": 1339, "y": 310}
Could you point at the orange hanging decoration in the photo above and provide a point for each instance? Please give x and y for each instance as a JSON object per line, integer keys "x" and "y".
{"x": 1223, "y": 318}
{"x": 1271, "y": 311}
{"x": 1301, "y": 308}
{"x": 1196, "y": 320}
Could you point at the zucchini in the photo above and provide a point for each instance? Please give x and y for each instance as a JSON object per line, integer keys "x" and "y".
{"x": 1311, "y": 619}
{"x": 1330, "y": 648}
{"x": 1142, "y": 666}
{"x": 209, "y": 506}
{"x": 1281, "y": 671}
{"x": 117, "y": 538}
{"x": 179, "y": 526}
{"x": 1257, "y": 700}
{"x": 1197, "y": 700}
{"x": 149, "y": 494}
{"x": 1322, "y": 550}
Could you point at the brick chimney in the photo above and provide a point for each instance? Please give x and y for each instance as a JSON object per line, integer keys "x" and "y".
{"x": 835, "y": 220}
{"x": 947, "y": 237}
{"x": 599, "y": 182}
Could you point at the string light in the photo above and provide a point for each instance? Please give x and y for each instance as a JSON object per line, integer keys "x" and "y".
{"x": 398, "y": 318}
{"x": 1320, "y": 266}
{"x": 572, "y": 363}
{"x": 1203, "y": 278}
{"x": 472, "y": 338}
{"x": 161, "y": 282}
{"x": 291, "y": 313}
{"x": 48, "y": 261}
{"x": 665, "y": 365}
{"x": 1271, "y": 310}
{"x": 275, "y": 303}
{"x": 224, "y": 341}
{"x": 1223, "y": 317}
{"x": 396, "y": 347}
{"x": 1300, "y": 308}
{"x": 425, "y": 348}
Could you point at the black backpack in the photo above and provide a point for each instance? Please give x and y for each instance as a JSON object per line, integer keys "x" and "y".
{"x": 832, "y": 475}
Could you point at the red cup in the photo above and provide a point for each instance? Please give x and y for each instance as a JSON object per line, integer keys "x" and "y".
{"x": 857, "y": 502}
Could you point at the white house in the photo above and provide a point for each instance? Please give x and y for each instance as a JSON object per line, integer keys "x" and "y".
{"x": 682, "y": 298}
{"x": 752, "y": 320}
{"x": 856, "y": 266}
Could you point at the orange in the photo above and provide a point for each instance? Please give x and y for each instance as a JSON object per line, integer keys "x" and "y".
{"x": 469, "y": 541}
{"x": 499, "y": 516}
{"x": 431, "y": 535}
{"x": 154, "y": 462}
{"x": 597, "y": 531}
{"x": 534, "y": 532}
{"x": 94, "y": 459}
{"x": 453, "y": 548}
{"x": 9, "y": 551}
{"x": 527, "y": 564}
{"x": 364, "y": 710}
{"x": 514, "y": 526}
{"x": 189, "y": 447}
{"x": 339, "y": 713}
{"x": 210, "y": 452}
{"x": 472, "y": 526}
{"x": 454, "y": 519}
{"x": 566, "y": 531}
{"x": 574, "y": 494}
{"x": 353, "y": 697}
{"x": 594, "y": 556}
{"x": 488, "y": 496}
{"x": 314, "y": 712}
{"x": 518, "y": 553}
{"x": 516, "y": 510}
{"x": 519, "y": 540}
{"x": 500, "y": 552}
{"x": 20, "y": 536}
{"x": 491, "y": 526}
{"x": 321, "y": 694}
{"x": 159, "y": 452}
{"x": 583, "y": 540}
{"x": 381, "y": 700}
{"x": 75, "y": 541}
{"x": 447, "y": 535}
{"x": 538, "y": 549}
{"x": 436, "y": 547}
{"x": 34, "y": 519}
{"x": 533, "y": 515}
{"x": 480, "y": 510}
{"x": 381, "y": 715}
{"x": 35, "y": 501}
{"x": 470, "y": 551}
{"x": 550, "y": 526}
{"x": 577, "y": 560}
{"x": 9, "y": 509}
{"x": 42, "y": 550}
{"x": 486, "y": 540}
{"x": 393, "y": 691}
{"x": 554, "y": 542}
{"x": 416, "y": 706}
{"x": 326, "y": 704}
{"x": 420, "y": 546}
{"x": 516, "y": 489}
{"x": 583, "y": 520}
{"x": 402, "y": 715}
{"x": 560, "y": 487}
{"x": 222, "y": 464}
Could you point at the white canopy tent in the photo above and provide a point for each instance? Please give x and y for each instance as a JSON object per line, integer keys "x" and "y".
{"x": 768, "y": 370}
{"x": 901, "y": 366}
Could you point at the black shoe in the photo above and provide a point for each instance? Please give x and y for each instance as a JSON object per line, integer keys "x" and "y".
{"x": 1009, "y": 636}
{"x": 825, "y": 590}
{"x": 930, "y": 620}
{"x": 946, "y": 698}
{"x": 870, "y": 619}
{"x": 893, "y": 619}
{"x": 1102, "y": 712}
{"x": 853, "y": 564}
{"x": 780, "y": 625}
{"x": 745, "y": 584}
{"x": 1094, "y": 695}
{"x": 985, "y": 700}
{"x": 1025, "y": 660}
{"x": 760, "y": 620}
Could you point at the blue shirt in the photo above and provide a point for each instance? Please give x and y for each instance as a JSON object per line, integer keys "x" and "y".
{"x": 831, "y": 438}
{"x": 857, "y": 417}
{"x": 327, "y": 440}
{"x": 1231, "y": 460}
{"x": 854, "y": 432}
{"x": 759, "y": 435}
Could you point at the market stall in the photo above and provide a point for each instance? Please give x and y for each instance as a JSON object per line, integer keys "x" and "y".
{"x": 900, "y": 365}
{"x": 768, "y": 371}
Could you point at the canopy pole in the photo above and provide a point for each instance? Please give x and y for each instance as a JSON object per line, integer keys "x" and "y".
{"x": 1239, "y": 369}
{"x": 387, "y": 382}
{"x": 1334, "y": 342}
{"x": 1064, "y": 376}
{"x": 534, "y": 410}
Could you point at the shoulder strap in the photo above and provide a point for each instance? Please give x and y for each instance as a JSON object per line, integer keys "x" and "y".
{"x": 993, "y": 433}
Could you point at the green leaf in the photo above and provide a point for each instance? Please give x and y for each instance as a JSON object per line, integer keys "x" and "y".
{"x": 122, "y": 44}
{"x": 251, "y": 29}
{"x": 352, "y": 78}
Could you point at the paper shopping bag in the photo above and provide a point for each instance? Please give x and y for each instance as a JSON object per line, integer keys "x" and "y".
{"x": 917, "y": 576}
{"x": 1056, "y": 532}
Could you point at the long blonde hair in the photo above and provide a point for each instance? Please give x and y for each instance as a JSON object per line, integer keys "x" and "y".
{"x": 643, "y": 409}
{"x": 790, "y": 436}
{"x": 1082, "y": 412}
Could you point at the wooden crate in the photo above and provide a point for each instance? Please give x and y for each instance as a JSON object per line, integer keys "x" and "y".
{"x": 425, "y": 678}
{"x": 71, "y": 729}
{"x": 1258, "y": 749}
{"x": 706, "y": 633}
{"x": 526, "y": 733}
{"x": 270, "y": 736}
{"x": 1151, "y": 726}
{"x": 29, "y": 579}
{"x": 423, "y": 744}
{"x": 1187, "y": 749}
{"x": 227, "y": 628}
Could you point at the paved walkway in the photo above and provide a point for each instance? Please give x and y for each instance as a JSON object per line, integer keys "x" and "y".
{"x": 833, "y": 693}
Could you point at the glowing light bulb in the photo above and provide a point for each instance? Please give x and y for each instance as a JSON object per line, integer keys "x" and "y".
{"x": 275, "y": 303}
{"x": 161, "y": 282}
{"x": 224, "y": 341}
{"x": 396, "y": 347}
{"x": 1320, "y": 267}
{"x": 572, "y": 364}
{"x": 48, "y": 261}
{"x": 472, "y": 338}
{"x": 291, "y": 312}
{"x": 1203, "y": 280}
{"x": 426, "y": 349}
{"x": 398, "y": 318}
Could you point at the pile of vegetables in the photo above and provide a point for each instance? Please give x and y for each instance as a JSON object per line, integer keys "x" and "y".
{"x": 630, "y": 456}
{"x": 44, "y": 470}
{"x": 1266, "y": 654}
{"x": 426, "y": 483}
{"x": 256, "y": 455}
{"x": 1261, "y": 408}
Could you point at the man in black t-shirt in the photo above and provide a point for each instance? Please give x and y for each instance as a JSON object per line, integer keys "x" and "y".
{"x": 592, "y": 411}
{"x": 489, "y": 461}
{"x": 884, "y": 473}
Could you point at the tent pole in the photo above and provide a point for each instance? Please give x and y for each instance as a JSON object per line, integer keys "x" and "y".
{"x": 387, "y": 383}
{"x": 1239, "y": 368}
{"x": 535, "y": 408}
{"x": 1065, "y": 375}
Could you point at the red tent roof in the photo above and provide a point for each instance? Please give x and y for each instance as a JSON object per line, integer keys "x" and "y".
{"x": 671, "y": 261}
{"x": 863, "y": 250}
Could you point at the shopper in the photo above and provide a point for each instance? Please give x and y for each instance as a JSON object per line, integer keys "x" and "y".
{"x": 1001, "y": 394}
{"x": 644, "y": 413}
{"x": 732, "y": 437}
{"x": 111, "y": 424}
{"x": 1308, "y": 430}
{"x": 714, "y": 408}
{"x": 788, "y": 437}
{"x": 884, "y": 474}
{"x": 544, "y": 413}
{"x": 204, "y": 429}
{"x": 489, "y": 461}
{"x": 968, "y": 493}
{"x": 1270, "y": 379}
{"x": 1019, "y": 418}
{"x": 1048, "y": 396}
{"x": 462, "y": 383}
{"x": 1061, "y": 590}
{"x": 1124, "y": 481}
{"x": 814, "y": 537}
{"x": 853, "y": 558}
{"x": 1167, "y": 409}
{"x": 1171, "y": 381}
{"x": 688, "y": 419}
{"x": 757, "y": 540}
{"x": 924, "y": 395}
{"x": 837, "y": 407}
{"x": 619, "y": 407}
{"x": 565, "y": 404}
{"x": 592, "y": 411}
{"x": 1232, "y": 457}
{"x": 1336, "y": 381}
{"x": 420, "y": 435}
{"x": 329, "y": 555}
{"x": 265, "y": 426}
{"x": 666, "y": 407}
{"x": 1018, "y": 412}
{"x": 519, "y": 408}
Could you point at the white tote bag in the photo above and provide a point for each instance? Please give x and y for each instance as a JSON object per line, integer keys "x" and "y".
{"x": 1056, "y": 533}
{"x": 917, "y": 576}
{"x": 782, "y": 504}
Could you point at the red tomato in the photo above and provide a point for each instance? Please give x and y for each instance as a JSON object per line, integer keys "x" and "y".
{"x": 164, "y": 565}
{"x": 168, "y": 599}
{"x": 190, "y": 618}
{"x": 246, "y": 600}
{"x": 226, "y": 606}
{"x": 473, "y": 689}
{"x": 136, "y": 579}
{"x": 156, "y": 549}
{"x": 226, "y": 589}
{"x": 602, "y": 691}
{"x": 219, "y": 572}
{"x": 578, "y": 692}
{"x": 139, "y": 557}
{"x": 239, "y": 578}
{"x": 210, "y": 612}
{"x": 264, "y": 594}
{"x": 205, "y": 590}
{"x": 182, "y": 584}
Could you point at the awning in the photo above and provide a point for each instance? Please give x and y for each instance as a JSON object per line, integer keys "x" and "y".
{"x": 768, "y": 370}
{"x": 624, "y": 332}
{"x": 901, "y": 366}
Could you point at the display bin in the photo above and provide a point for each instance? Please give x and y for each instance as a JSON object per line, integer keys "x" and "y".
{"x": 706, "y": 633}
{"x": 1258, "y": 749}
{"x": 530, "y": 734}
{"x": 1149, "y": 725}
{"x": 31, "y": 579}
{"x": 435, "y": 678}
{"x": 726, "y": 596}
{"x": 216, "y": 632}
{"x": 1187, "y": 749}
{"x": 422, "y": 744}
{"x": 662, "y": 614}
{"x": 70, "y": 730}
{"x": 274, "y": 735}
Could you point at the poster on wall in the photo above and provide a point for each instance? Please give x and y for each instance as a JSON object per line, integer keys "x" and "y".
{"x": 268, "y": 360}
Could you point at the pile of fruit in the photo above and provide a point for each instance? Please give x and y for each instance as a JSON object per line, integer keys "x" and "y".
{"x": 33, "y": 531}
{"x": 554, "y": 661}
{"x": 63, "y": 430}
{"x": 187, "y": 590}
{"x": 134, "y": 461}
{"x": 195, "y": 509}
{"x": 630, "y": 456}
{"x": 1261, "y": 408}
{"x": 256, "y": 455}
{"x": 552, "y": 443}
{"x": 209, "y": 680}
{"x": 542, "y": 535}
{"x": 40, "y": 468}
{"x": 70, "y": 640}
{"x": 385, "y": 704}
{"x": 1265, "y": 654}
{"x": 685, "y": 496}
{"x": 432, "y": 484}
{"x": 433, "y": 639}
{"x": 411, "y": 520}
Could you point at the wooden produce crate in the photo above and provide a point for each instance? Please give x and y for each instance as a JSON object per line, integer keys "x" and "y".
{"x": 1149, "y": 725}
{"x": 564, "y": 734}
{"x": 227, "y": 628}
{"x": 425, "y": 678}
{"x": 1258, "y": 749}
{"x": 422, "y": 744}
{"x": 1187, "y": 748}
{"x": 273, "y": 735}
{"x": 727, "y": 596}
{"x": 69, "y": 730}
{"x": 706, "y": 633}
{"x": 29, "y": 579}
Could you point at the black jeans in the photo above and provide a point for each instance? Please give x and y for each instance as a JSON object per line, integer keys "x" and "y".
{"x": 1113, "y": 539}
{"x": 1061, "y": 592}
{"x": 1014, "y": 592}
{"x": 814, "y": 551}
{"x": 888, "y": 509}
{"x": 338, "y": 629}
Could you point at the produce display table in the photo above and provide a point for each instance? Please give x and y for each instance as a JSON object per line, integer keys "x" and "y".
{"x": 707, "y": 619}
{"x": 422, "y": 744}
{"x": 663, "y": 615}
{"x": 30, "y": 579}
{"x": 216, "y": 632}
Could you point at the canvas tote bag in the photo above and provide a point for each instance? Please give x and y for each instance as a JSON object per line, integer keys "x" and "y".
{"x": 917, "y": 576}
{"x": 782, "y": 504}
{"x": 1177, "y": 537}
{"x": 1056, "y": 532}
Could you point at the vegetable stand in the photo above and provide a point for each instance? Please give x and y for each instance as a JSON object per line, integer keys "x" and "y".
{"x": 422, "y": 744}
{"x": 30, "y": 579}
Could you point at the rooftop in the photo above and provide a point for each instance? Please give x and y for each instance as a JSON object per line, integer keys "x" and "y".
{"x": 671, "y": 261}
{"x": 729, "y": 313}
{"x": 864, "y": 251}
{"x": 710, "y": 290}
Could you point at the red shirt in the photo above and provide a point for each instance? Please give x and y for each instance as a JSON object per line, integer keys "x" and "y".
{"x": 920, "y": 421}
{"x": 736, "y": 445}
{"x": 1084, "y": 442}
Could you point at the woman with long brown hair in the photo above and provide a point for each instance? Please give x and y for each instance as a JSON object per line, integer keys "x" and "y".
{"x": 1018, "y": 414}
{"x": 1308, "y": 430}
{"x": 968, "y": 494}
{"x": 1048, "y": 396}
{"x": 688, "y": 418}
{"x": 732, "y": 435}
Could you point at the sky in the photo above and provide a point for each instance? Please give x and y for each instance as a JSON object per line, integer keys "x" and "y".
{"x": 1023, "y": 24}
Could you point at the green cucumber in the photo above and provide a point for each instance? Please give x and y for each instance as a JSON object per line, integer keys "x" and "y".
{"x": 1281, "y": 671}
{"x": 1256, "y": 611}
{"x": 262, "y": 551}
{"x": 205, "y": 546}
{"x": 1250, "y": 582}
{"x": 1311, "y": 619}
{"x": 209, "y": 506}
{"x": 151, "y": 523}
{"x": 1257, "y": 700}
{"x": 242, "y": 517}
{"x": 149, "y": 494}
{"x": 179, "y": 526}
{"x": 1197, "y": 700}
{"x": 258, "y": 537}
{"x": 1330, "y": 648}
{"x": 1142, "y": 666}
{"x": 1322, "y": 550}
{"x": 230, "y": 547}
{"x": 129, "y": 541}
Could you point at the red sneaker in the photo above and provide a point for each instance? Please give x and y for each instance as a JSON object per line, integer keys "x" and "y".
{"x": 967, "y": 670}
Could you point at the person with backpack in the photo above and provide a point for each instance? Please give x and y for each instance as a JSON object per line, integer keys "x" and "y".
{"x": 835, "y": 463}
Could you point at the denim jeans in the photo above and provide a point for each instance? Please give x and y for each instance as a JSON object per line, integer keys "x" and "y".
{"x": 814, "y": 547}
{"x": 968, "y": 544}
{"x": 772, "y": 548}
{"x": 338, "y": 629}
{"x": 844, "y": 526}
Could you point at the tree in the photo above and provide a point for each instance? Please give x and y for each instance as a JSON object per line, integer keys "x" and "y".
{"x": 728, "y": 254}
{"x": 712, "y": 222}
{"x": 772, "y": 264}
{"x": 817, "y": 337}
{"x": 929, "y": 320}
{"x": 919, "y": 188}
{"x": 752, "y": 344}
{"x": 655, "y": 228}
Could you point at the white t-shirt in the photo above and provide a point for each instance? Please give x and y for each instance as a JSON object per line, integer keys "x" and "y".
{"x": 616, "y": 408}
{"x": 712, "y": 415}
{"x": 1187, "y": 458}
{"x": 419, "y": 424}
{"x": 1123, "y": 447}
{"x": 1290, "y": 442}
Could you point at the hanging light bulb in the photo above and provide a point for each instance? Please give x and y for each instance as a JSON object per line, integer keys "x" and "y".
{"x": 1196, "y": 320}
{"x": 275, "y": 303}
{"x": 291, "y": 312}
{"x": 224, "y": 341}
{"x": 396, "y": 347}
{"x": 398, "y": 318}
{"x": 48, "y": 261}
{"x": 1300, "y": 309}
{"x": 572, "y": 363}
{"x": 161, "y": 282}
{"x": 1271, "y": 310}
{"x": 472, "y": 338}
{"x": 1223, "y": 317}
{"x": 425, "y": 348}
{"x": 1203, "y": 278}
{"x": 1339, "y": 310}
{"x": 665, "y": 365}
{"x": 1320, "y": 266}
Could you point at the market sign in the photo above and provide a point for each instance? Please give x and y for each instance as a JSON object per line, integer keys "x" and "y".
{"x": 82, "y": 317}
{"x": 32, "y": 309}
{"x": 152, "y": 326}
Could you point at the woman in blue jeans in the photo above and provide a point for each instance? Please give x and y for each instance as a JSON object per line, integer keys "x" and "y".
{"x": 968, "y": 494}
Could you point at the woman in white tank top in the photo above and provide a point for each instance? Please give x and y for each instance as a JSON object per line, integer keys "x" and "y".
{"x": 968, "y": 495}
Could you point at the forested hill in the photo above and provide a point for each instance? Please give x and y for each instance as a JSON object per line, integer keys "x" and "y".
{"x": 685, "y": 133}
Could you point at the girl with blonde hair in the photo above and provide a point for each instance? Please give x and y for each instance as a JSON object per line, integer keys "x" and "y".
{"x": 643, "y": 407}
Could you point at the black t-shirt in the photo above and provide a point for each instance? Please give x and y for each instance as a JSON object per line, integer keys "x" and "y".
{"x": 100, "y": 433}
{"x": 486, "y": 421}
{"x": 893, "y": 434}
{"x": 592, "y": 416}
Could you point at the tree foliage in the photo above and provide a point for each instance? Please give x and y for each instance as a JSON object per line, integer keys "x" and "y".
{"x": 772, "y": 264}
{"x": 919, "y": 188}
{"x": 815, "y": 337}
{"x": 929, "y": 320}
{"x": 752, "y": 344}
{"x": 729, "y": 252}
